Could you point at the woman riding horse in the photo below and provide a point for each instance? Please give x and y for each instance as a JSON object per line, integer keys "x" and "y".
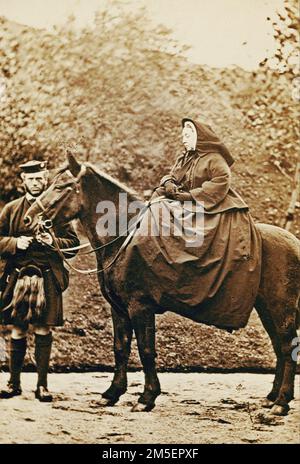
{"x": 212, "y": 276}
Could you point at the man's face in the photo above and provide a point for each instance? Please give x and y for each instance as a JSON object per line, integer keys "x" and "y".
{"x": 35, "y": 183}
{"x": 189, "y": 136}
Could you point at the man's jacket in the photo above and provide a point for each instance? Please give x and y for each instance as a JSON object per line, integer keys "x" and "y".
{"x": 12, "y": 226}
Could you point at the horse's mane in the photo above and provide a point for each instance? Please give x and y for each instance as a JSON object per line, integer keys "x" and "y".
{"x": 115, "y": 182}
{"x": 103, "y": 175}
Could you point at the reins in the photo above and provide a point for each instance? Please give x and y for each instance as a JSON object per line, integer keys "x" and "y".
{"x": 48, "y": 224}
{"x": 133, "y": 228}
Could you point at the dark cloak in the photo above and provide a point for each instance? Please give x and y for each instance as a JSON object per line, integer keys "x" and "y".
{"x": 216, "y": 281}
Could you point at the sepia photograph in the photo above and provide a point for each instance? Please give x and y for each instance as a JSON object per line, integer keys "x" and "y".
{"x": 149, "y": 225}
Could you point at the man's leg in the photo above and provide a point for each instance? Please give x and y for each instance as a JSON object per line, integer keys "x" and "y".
{"x": 43, "y": 343}
{"x": 17, "y": 351}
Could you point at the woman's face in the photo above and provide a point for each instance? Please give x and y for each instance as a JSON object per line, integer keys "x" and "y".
{"x": 189, "y": 136}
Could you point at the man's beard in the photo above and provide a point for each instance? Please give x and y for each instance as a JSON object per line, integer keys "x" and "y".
{"x": 33, "y": 194}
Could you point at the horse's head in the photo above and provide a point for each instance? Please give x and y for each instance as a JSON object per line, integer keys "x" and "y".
{"x": 61, "y": 202}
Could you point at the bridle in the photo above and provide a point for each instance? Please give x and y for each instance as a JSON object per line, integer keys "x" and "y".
{"x": 61, "y": 199}
{"x": 48, "y": 225}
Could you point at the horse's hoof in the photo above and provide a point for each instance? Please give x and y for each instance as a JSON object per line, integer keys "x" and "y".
{"x": 103, "y": 402}
{"x": 141, "y": 407}
{"x": 278, "y": 410}
{"x": 266, "y": 403}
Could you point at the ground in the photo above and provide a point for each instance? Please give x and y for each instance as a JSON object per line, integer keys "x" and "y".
{"x": 193, "y": 408}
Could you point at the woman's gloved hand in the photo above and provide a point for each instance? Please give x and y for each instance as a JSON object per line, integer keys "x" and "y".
{"x": 170, "y": 188}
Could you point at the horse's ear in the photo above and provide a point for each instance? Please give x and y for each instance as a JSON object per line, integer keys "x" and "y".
{"x": 74, "y": 166}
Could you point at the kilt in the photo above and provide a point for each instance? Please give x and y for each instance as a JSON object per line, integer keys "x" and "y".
{"x": 52, "y": 315}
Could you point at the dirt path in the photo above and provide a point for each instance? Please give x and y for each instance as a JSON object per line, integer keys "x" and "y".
{"x": 194, "y": 408}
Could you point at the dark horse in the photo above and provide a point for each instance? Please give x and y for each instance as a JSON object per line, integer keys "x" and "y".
{"x": 277, "y": 301}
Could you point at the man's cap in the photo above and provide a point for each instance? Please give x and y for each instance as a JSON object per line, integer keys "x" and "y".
{"x": 33, "y": 166}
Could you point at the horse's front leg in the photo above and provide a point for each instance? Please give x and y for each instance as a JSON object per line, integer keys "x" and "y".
{"x": 143, "y": 321}
{"x": 122, "y": 345}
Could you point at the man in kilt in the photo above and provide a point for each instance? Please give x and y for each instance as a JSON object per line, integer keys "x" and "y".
{"x": 33, "y": 281}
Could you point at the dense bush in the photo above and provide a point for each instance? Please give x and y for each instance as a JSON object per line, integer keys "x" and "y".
{"x": 115, "y": 94}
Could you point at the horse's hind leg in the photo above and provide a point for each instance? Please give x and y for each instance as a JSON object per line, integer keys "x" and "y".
{"x": 122, "y": 345}
{"x": 143, "y": 321}
{"x": 270, "y": 328}
{"x": 287, "y": 332}
{"x": 281, "y": 326}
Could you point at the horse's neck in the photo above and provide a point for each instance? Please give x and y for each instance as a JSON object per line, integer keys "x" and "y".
{"x": 98, "y": 195}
